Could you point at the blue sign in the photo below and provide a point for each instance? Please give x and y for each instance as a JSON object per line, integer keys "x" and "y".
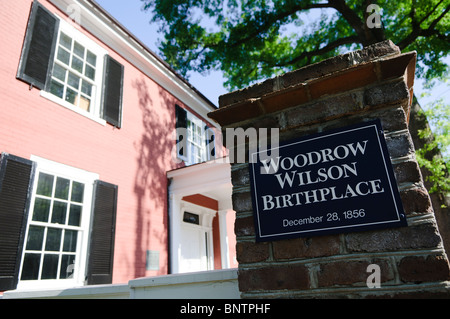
{"x": 334, "y": 182}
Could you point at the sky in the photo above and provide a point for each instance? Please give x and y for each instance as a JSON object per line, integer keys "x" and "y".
{"x": 130, "y": 14}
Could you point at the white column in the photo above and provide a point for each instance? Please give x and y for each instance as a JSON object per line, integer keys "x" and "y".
{"x": 208, "y": 216}
{"x": 225, "y": 253}
{"x": 175, "y": 231}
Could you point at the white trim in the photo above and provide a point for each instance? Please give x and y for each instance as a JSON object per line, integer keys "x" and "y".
{"x": 175, "y": 232}
{"x": 200, "y": 178}
{"x": 213, "y": 179}
{"x": 63, "y": 169}
{"x": 87, "y": 178}
{"x": 217, "y": 284}
{"x": 100, "y": 53}
{"x": 224, "y": 244}
{"x": 206, "y": 217}
{"x": 190, "y": 144}
{"x": 49, "y": 96}
{"x": 197, "y": 209}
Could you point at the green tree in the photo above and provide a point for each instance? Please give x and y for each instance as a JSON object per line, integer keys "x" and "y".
{"x": 434, "y": 154}
{"x": 251, "y": 40}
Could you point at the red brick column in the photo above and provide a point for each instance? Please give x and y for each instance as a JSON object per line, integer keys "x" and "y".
{"x": 373, "y": 83}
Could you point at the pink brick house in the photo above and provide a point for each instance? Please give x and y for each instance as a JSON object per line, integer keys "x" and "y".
{"x": 95, "y": 186}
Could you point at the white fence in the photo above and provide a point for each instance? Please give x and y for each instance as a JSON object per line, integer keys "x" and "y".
{"x": 218, "y": 284}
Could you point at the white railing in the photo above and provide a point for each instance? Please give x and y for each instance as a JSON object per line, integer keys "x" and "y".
{"x": 218, "y": 284}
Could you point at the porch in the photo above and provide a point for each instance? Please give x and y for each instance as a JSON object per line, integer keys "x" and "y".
{"x": 201, "y": 218}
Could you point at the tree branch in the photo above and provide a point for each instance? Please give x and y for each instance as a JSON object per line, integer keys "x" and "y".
{"x": 433, "y": 24}
{"x": 272, "y": 19}
{"x": 329, "y": 47}
{"x": 352, "y": 18}
{"x": 429, "y": 13}
{"x": 418, "y": 31}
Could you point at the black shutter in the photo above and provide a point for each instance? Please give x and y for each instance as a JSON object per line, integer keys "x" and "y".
{"x": 181, "y": 123}
{"x": 112, "y": 92}
{"x": 16, "y": 175}
{"x": 101, "y": 248}
{"x": 39, "y": 47}
{"x": 210, "y": 140}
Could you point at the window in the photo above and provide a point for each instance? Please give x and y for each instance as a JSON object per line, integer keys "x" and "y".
{"x": 58, "y": 224}
{"x": 75, "y": 79}
{"x": 51, "y": 216}
{"x": 70, "y": 68}
{"x": 195, "y": 142}
{"x": 196, "y": 138}
{"x": 74, "y": 73}
{"x": 191, "y": 218}
{"x": 54, "y": 229}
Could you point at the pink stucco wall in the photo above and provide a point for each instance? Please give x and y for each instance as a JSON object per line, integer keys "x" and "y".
{"x": 135, "y": 157}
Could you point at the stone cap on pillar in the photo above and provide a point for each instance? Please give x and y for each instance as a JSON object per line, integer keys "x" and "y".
{"x": 376, "y": 63}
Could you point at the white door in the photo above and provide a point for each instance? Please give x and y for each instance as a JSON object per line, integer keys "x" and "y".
{"x": 194, "y": 249}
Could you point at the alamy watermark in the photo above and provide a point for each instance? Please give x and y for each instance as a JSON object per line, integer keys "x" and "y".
{"x": 374, "y": 19}
{"x": 249, "y": 145}
{"x": 74, "y": 13}
{"x": 374, "y": 279}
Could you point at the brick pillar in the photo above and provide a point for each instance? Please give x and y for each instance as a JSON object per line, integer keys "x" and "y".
{"x": 373, "y": 83}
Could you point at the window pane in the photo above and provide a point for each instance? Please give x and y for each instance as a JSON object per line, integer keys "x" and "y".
{"x": 62, "y": 188}
{"x": 41, "y": 210}
{"x": 77, "y": 64}
{"x": 70, "y": 241}
{"x": 197, "y": 135}
{"x": 45, "y": 185}
{"x": 59, "y": 72}
{"x": 74, "y": 81}
{"x": 85, "y": 103}
{"x": 86, "y": 88}
{"x": 53, "y": 242}
{"x": 50, "y": 267}
{"x": 71, "y": 96}
{"x": 75, "y": 215}
{"x": 77, "y": 192}
{"x": 57, "y": 89}
{"x": 91, "y": 58}
{"x": 67, "y": 266}
{"x": 191, "y": 218}
{"x": 90, "y": 72}
{"x": 63, "y": 56}
{"x": 30, "y": 269}
{"x": 35, "y": 238}
{"x": 78, "y": 49}
{"x": 59, "y": 213}
{"x": 65, "y": 41}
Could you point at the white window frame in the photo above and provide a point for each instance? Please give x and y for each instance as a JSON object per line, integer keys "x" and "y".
{"x": 191, "y": 160}
{"x": 94, "y": 113}
{"x": 88, "y": 179}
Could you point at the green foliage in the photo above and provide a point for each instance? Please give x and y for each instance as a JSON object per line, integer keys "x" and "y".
{"x": 251, "y": 40}
{"x": 435, "y": 155}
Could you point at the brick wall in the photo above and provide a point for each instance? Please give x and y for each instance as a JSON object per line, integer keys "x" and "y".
{"x": 373, "y": 83}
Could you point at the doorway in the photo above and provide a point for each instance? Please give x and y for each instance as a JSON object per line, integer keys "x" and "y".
{"x": 203, "y": 191}
{"x": 196, "y": 245}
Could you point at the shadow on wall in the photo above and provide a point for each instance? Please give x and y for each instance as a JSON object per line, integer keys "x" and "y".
{"x": 154, "y": 160}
